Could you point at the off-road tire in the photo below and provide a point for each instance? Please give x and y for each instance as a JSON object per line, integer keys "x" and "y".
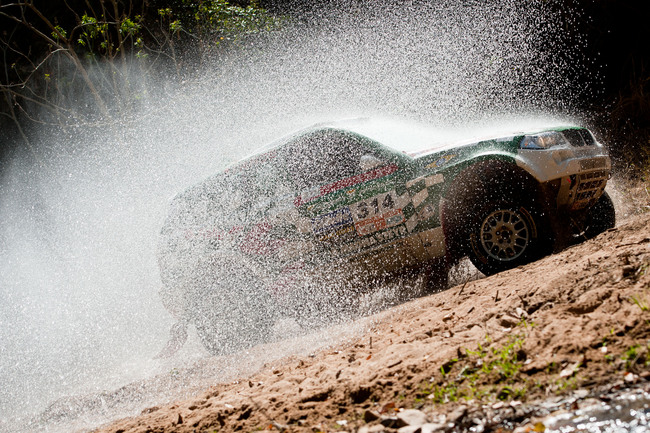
{"x": 230, "y": 309}
{"x": 600, "y": 217}
{"x": 505, "y": 234}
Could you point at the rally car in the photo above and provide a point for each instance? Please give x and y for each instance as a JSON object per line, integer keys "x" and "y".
{"x": 359, "y": 199}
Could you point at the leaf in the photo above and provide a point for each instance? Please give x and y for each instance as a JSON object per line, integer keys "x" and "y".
{"x": 387, "y": 407}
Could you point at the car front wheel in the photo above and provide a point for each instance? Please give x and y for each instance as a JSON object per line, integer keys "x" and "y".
{"x": 601, "y": 217}
{"x": 505, "y": 235}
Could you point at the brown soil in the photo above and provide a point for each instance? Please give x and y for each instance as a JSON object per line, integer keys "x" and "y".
{"x": 578, "y": 320}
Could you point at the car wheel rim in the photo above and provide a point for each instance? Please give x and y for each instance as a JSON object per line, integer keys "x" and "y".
{"x": 504, "y": 235}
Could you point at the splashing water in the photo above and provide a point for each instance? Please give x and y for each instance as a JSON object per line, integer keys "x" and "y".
{"x": 78, "y": 273}
{"x": 627, "y": 413}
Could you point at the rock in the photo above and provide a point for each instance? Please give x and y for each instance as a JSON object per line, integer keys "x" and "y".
{"x": 457, "y": 414}
{"x": 569, "y": 371}
{"x": 412, "y": 417}
{"x": 581, "y": 393}
{"x": 521, "y": 313}
{"x": 370, "y": 416}
{"x": 393, "y": 422}
{"x": 371, "y": 429}
{"x": 432, "y": 428}
{"x": 479, "y": 425}
{"x": 410, "y": 429}
{"x": 508, "y": 321}
{"x": 149, "y": 410}
{"x": 631, "y": 377}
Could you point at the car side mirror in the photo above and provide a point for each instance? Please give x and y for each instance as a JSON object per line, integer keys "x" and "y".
{"x": 369, "y": 162}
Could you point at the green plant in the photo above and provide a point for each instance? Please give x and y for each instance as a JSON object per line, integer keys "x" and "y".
{"x": 471, "y": 376}
{"x": 640, "y": 302}
{"x": 630, "y": 355}
{"x": 566, "y": 383}
{"x": 511, "y": 393}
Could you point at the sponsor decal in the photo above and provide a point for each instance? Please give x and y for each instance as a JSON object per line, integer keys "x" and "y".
{"x": 380, "y": 222}
{"x": 441, "y": 161}
{"x": 426, "y": 212}
{"x": 318, "y": 192}
{"x": 345, "y": 232}
{"x": 332, "y": 221}
{"x": 420, "y": 197}
{"x": 395, "y": 219}
{"x": 428, "y": 180}
{"x": 377, "y": 213}
{"x": 374, "y": 206}
{"x": 434, "y": 180}
{"x": 375, "y": 240}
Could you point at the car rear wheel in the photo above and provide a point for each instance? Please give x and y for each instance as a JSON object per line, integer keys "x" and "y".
{"x": 504, "y": 235}
{"x": 226, "y": 326}
{"x": 230, "y": 309}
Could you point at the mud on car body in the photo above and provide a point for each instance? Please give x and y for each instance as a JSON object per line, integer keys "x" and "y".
{"x": 362, "y": 198}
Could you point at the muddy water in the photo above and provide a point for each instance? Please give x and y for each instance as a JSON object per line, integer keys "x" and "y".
{"x": 625, "y": 413}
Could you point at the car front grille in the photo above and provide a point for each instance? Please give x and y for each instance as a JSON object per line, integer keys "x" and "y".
{"x": 593, "y": 163}
{"x": 589, "y": 188}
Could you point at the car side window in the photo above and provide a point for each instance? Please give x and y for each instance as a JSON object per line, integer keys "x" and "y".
{"x": 327, "y": 156}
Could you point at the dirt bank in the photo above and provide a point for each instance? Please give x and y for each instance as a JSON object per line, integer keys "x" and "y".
{"x": 575, "y": 323}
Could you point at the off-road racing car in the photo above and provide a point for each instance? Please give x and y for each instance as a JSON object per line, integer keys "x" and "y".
{"x": 363, "y": 198}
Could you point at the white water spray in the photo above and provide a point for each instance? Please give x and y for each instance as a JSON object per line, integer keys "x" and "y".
{"x": 80, "y": 311}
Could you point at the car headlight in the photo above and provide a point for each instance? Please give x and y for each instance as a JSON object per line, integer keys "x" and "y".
{"x": 544, "y": 140}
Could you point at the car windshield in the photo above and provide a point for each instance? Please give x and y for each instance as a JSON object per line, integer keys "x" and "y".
{"x": 325, "y": 156}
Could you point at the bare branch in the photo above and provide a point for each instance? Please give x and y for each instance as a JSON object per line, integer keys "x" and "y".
{"x": 67, "y": 50}
{"x": 13, "y": 116}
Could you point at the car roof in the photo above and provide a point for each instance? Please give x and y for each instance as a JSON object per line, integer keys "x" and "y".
{"x": 398, "y": 135}
{"x": 419, "y": 139}
{"x": 415, "y": 139}
{"x": 412, "y": 138}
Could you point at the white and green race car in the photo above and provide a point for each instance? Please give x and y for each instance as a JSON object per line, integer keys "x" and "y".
{"x": 364, "y": 198}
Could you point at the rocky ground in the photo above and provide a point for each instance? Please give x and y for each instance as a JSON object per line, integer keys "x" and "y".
{"x": 490, "y": 354}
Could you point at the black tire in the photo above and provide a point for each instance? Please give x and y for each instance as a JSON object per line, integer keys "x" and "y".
{"x": 506, "y": 234}
{"x": 230, "y": 309}
{"x": 600, "y": 217}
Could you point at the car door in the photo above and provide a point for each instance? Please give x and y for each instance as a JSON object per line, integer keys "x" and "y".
{"x": 351, "y": 191}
